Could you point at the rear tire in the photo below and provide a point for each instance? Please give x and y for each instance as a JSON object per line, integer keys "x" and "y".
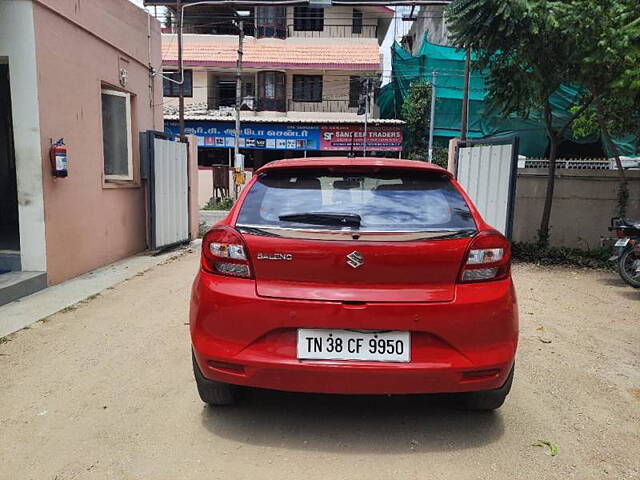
{"x": 488, "y": 400}
{"x": 625, "y": 266}
{"x": 212, "y": 392}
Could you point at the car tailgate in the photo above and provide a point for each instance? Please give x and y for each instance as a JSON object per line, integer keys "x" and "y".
{"x": 356, "y": 271}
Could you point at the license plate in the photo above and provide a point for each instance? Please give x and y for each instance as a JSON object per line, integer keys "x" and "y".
{"x": 320, "y": 344}
{"x": 622, "y": 242}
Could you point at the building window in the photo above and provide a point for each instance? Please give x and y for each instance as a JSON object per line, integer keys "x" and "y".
{"x": 269, "y": 86}
{"x": 248, "y": 89}
{"x": 116, "y": 135}
{"x": 271, "y": 22}
{"x": 271, "y": 91}
{"x": 226, "y": 93}
{"x": 307, "y": 19}
{"x": 171, "y": 89}
{"x": 356, "y": 26}
{"x": 355, "y": 87}
{"x": 307, "y": 88}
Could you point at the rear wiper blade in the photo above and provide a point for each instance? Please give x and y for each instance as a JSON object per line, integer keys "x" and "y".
{"x": 320, "y": 218}
{"x": 454, "y": 234}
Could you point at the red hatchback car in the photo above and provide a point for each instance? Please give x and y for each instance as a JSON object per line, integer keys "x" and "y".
{"x": 354, "y": 276}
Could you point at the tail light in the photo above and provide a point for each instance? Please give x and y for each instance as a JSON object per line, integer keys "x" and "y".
{"x": 225, "y": 253}
{"x": 488, "y": 258}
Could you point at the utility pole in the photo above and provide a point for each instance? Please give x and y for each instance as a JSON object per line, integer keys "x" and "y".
{"x": 432, "y": 114}
{"x": 465, "y": 98}
{"x": 366, "y": 117}
{"x": 180, "y": 72}
{"x": 363, "y": 108}
{"x": 237, "y": 161}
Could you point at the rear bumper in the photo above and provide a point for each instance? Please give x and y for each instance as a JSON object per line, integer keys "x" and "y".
{"x": 465, "y": 345}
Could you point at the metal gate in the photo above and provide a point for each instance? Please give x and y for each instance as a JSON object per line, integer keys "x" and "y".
{"x": 164, "y": 166}
{"x": 487, "y": 169}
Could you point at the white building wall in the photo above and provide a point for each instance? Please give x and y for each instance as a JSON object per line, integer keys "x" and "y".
{"x": 199, "y": 91}
{"x": 17, "y": 46}
{"x": 431, "y": 23}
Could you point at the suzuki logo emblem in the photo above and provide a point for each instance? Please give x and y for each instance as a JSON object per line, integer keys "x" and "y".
{"x": 355, "y": 259}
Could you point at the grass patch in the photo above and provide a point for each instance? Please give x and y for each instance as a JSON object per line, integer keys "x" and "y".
{"x": 222, "y": 204}
{"x": 4, "y": 340}
{"x": 575, "y": 257}
{"x": 89, "y": 298}
{"x": 202, "y": 229}
{"x": 77, "y": 305}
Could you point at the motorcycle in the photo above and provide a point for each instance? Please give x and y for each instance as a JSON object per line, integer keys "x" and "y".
{"x": 626, "y": 250}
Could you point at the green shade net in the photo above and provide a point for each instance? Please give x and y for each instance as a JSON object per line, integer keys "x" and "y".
{"x": 444, "y": 67}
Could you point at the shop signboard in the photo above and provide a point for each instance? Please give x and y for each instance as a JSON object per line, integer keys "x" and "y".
{"x": 351, "y": 137}
{"x": 259, "y": 136}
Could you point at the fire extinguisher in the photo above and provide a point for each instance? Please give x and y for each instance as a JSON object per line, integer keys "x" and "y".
{"x": 58, "y": 157}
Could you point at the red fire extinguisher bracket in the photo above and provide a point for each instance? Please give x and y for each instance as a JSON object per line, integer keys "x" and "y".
{"x": 59, "y": 159}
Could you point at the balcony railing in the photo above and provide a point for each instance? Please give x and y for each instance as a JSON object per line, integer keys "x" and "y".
{"x": 271, "y": 104}
{"x": 325, "y": 105}
{"x": 277, "y": 30}
{"x": 249, "y": 103}
{"x": 271, "y": 31}
{"x": 335, "y": 31}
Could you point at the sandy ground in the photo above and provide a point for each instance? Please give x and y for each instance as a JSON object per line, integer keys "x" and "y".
{"x": 106, "y": 391}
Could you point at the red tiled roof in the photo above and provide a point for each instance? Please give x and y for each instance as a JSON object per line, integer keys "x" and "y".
{"x": 201, "y": 50}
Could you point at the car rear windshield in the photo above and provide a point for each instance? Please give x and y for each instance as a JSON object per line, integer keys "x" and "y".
{"x": 384, "y": 201}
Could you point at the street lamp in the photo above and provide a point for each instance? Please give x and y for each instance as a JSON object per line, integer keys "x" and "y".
{"x": 238, "y": 160}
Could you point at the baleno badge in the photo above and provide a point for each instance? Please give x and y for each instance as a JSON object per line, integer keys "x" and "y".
{"x": 355, "y": 259}
{"x": 275, "y": 256}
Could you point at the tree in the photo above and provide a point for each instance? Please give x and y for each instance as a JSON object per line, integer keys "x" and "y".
{"x": 527, "y": 57}
{"x": 609, "y": 69}
{"x": 611, "y": 116}
{"x": 416, "y": 112}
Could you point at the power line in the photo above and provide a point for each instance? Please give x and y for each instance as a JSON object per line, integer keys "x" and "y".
{"x": 333, "y": 17}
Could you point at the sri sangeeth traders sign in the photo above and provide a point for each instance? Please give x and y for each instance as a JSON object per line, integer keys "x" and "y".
{"x": 351, "y": 137}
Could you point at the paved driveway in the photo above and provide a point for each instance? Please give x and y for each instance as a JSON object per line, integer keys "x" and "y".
{"x": 106, "y": 391}
{"x": 209, "y": 217}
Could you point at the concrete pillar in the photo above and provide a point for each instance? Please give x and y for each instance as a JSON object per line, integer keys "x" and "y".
{"x": 192, "y": 172}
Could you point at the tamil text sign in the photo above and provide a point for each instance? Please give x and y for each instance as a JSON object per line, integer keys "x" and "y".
{"x": 252, "y": 135}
